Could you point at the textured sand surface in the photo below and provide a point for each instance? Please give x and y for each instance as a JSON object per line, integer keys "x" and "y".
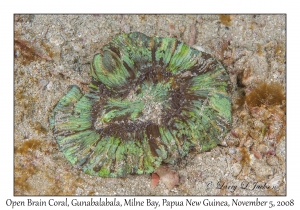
{"x": 55, "y": 51}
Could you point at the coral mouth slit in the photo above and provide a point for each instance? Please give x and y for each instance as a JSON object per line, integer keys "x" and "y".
{"x": 151, "y": 100}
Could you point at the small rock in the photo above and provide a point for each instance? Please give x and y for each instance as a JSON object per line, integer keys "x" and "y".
{"x": 79, "y": 191}
{"x": 257, "y": 154}
{"x": 223, "y": 143}
{"x": 237, "y": 132}
{"x": 232, "y": 151}
{"x": 181, "y": 29}
{"x": 275, "y": 182}
{"x": 49, "y": 86}
{"x": 273, "y": 131}
{"x": 261, "y": 169}
{"x": 232, "y": 142}
{"x": 262, "y": 148}
{"x": 271, "y": 152}
{"x": 154, "y": 180}
{"x": 200, "y": 48}
{"x": 272, "y": 160}
{"x": 248, "y": 77}
{"x": 236, "y": 169}
{"x": 42, "y": 84}
{"x": 126, "y": 28}
{"x": 167, "y": 176}
{"x": 199, "y": 19}
{"x": 257, "y": 112}
{"x": 258, "y": 130}
{"x": 249, "y": 142}
{"x": 56, "y": 40}
{"x": 276, "y": 113}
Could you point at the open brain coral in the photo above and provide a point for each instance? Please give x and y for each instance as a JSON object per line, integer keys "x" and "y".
{"x": 151, "y": 100}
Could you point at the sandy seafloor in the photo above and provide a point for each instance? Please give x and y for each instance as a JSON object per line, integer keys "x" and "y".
{"x": 53, "y": 52}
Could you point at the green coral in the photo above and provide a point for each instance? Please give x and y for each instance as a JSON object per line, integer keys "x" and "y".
{"x": 151, "y": 100}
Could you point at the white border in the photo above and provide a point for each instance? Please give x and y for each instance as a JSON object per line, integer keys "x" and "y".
{"x": 217, "y": 6}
